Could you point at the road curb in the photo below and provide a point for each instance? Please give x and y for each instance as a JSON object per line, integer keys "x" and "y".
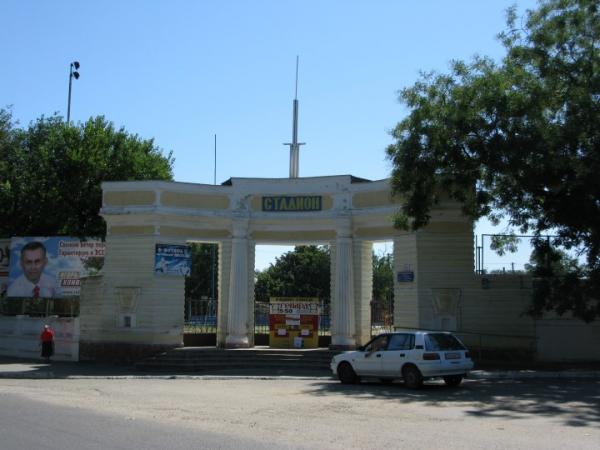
{"x": 532, "y": 375}
{"x": 479, "y": 375}
{"x": 52, "y": 376}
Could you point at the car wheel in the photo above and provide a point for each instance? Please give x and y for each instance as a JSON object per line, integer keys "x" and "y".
{"x": 412, "y": 377}
{"x": 453, "y": 380}
{"x": 346, "y": 373}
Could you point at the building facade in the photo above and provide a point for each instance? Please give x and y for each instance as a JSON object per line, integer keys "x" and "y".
{"x": 129, "y": 308}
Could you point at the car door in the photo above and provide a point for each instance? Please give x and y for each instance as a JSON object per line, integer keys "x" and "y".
{"x": 398, "y": 352}
{"x": 368, "y": 361}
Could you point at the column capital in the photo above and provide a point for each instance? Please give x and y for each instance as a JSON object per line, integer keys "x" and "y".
{"x": 343, "y": 227}
{"x": 239, "y": 228}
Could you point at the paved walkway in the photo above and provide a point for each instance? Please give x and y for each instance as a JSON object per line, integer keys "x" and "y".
{"x": 37, "y": 369}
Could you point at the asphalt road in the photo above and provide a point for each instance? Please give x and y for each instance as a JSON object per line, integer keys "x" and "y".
{"x": 29, "y": 424}
{"x": 296, "y": 413}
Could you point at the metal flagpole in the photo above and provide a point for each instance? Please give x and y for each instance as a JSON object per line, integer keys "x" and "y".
{"x": 295, "y": 145}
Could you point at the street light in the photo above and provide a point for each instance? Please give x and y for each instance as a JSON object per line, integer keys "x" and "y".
{"x": 75, "y": 74}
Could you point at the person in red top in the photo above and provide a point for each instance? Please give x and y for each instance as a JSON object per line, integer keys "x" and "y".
{"x": 47, "y": 341}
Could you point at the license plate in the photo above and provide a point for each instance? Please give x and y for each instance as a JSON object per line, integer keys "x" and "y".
{"x": 453, "y": 355}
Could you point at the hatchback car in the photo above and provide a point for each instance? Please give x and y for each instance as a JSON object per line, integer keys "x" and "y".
{"x": 412, "y": 355}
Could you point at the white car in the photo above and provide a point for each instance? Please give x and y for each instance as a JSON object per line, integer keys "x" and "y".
{"x": 411, "y": 355}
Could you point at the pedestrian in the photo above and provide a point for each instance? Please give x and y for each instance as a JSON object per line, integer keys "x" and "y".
{"x": 47, "y": 341}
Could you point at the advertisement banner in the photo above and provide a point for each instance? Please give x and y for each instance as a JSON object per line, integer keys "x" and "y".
{"x": 294, "y": 322}
{"x": 51, "y": 267}
{"x": 172, "y": 259}
{"x": 293, "y": 305}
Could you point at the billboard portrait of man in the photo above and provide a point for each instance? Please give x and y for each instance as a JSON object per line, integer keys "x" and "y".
{"x": 33, "y": 282}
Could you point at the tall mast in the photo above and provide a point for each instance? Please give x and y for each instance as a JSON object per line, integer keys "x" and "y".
{"x": 295, "y": 145}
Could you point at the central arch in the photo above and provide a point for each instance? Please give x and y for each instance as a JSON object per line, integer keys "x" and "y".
{"x": 344, "y": 212}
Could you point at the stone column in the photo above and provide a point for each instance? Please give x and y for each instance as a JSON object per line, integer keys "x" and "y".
{"x": 342, "y": 320}
{"x": 223, "y": 286}
{"x": 406, "y": 292}
{"x": 250, "y": 297}
{"x": 363, "y": 289}
{"x": 237, "y": 319}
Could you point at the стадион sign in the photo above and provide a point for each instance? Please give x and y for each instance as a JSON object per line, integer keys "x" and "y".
{"x": 285, "y": 203}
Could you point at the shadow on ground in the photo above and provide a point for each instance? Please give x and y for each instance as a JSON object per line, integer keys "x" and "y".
{"x": 21, "y": 368}
{"x": 573, "y": 403}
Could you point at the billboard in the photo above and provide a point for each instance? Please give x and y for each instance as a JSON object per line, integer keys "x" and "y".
{"x": 51, "y": 267}
{"x": 172, "y": 259}
{"x": 294, "y": 322}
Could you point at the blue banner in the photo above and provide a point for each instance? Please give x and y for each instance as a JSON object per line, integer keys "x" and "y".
{"x": 173, "y": 260}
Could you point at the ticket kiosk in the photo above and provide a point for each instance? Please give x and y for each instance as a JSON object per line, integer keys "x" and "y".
{"x": 293, "y": 322}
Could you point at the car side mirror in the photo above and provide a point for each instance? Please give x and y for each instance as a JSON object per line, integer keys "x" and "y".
{"x": 361, "y": 348}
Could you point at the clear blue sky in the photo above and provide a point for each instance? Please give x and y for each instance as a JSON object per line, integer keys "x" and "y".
{"x": 181, "y": 71}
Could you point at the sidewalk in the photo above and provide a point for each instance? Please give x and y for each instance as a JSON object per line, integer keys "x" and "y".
{"x": 535, "y": 370}
{"x": 13, "y": 368}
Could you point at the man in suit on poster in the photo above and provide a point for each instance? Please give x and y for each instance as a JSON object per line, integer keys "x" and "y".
{"x": 33, "y": 282}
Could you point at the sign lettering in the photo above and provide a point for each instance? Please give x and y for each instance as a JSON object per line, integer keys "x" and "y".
{"x": 292, "y": 203}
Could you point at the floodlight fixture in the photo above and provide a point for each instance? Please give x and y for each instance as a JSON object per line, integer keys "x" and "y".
{"x": 72, "y": 74}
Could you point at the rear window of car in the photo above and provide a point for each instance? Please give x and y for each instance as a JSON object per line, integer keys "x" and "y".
{"x": 439, "y": 342}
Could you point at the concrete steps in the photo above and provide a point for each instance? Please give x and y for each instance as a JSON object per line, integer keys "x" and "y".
{"x": 210, "y": 359}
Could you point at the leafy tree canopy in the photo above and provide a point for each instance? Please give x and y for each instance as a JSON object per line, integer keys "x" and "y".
{"x": 202, "y": 281}
{"x": 51, "y": 173}
{"x": 383, "y": 279}
{"x": 517, "y": 139}
{"x": 304, "y": 272}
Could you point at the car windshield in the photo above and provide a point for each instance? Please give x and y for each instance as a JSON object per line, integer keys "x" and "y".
{"x": 442, "y": 342}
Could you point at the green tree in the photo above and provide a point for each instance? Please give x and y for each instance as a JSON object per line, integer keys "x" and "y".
{"x": 51, "y": 173}
{"x": 304, "y": 272}
{"x": 200, "y": 282}
{"x": 383, "y": 287}
{"x": 559, "y": 280}
{"x": 518, "y": 139}
{"x": 383, "y": 278}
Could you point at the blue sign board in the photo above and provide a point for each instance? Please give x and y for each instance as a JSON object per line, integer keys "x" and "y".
{"x": 173, "y": 260}
{"x": 406, "y": 276}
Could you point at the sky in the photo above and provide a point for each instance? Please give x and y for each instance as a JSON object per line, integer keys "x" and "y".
{"x": 181, "y": 72}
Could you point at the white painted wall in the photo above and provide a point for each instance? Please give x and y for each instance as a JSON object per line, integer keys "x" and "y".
{"x": 567, "y": 340}
{"x": 19, "y": 337}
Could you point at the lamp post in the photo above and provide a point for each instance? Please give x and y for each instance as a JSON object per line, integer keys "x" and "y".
{"x": 74, "y": 66}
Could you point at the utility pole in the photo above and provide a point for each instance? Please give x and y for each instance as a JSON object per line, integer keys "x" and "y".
{"x": 213, "y": 249}
{"x": 73, "y": 73}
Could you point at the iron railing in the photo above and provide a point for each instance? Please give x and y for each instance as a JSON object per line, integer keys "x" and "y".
{"x": 201, "y": 317}
{"x": 261, "y": 318}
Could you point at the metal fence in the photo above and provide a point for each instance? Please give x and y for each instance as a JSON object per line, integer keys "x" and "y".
{"x": 261, "y": 318}
{"x": 382, "y": 317}
{"x": 201, "y": 317}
